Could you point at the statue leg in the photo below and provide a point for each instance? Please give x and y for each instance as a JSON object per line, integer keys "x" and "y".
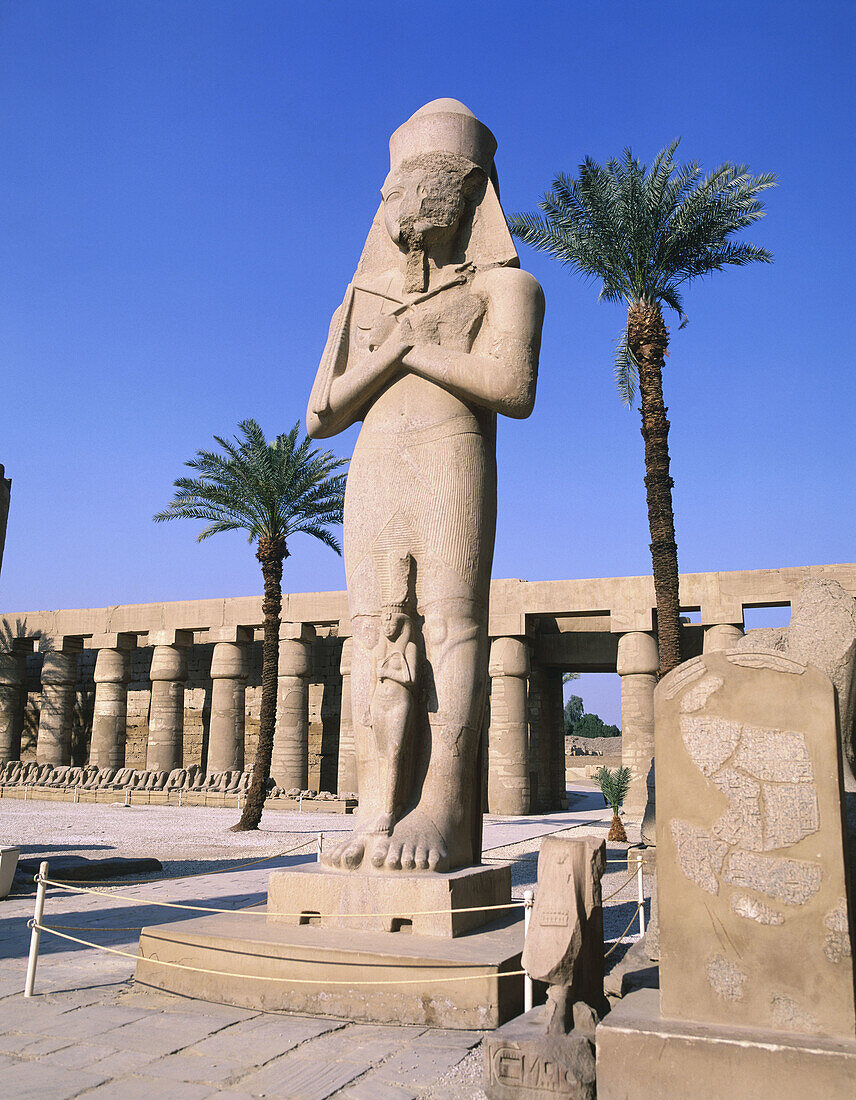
{"x": 435, "y": 834}
{"x": 349, "y": 853}
{"x": 391, "y": 709}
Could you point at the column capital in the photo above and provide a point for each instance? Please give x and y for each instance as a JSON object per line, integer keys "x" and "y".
{"x": 719, "y": 637}
{"x": 637, "y": 653}
{"x": 347, "y": 656}
{"x": 111, "y": 666}
{"x": 59, "y": 667}
{"x": 509, "y": 656}
{"x": 228, "y": 661}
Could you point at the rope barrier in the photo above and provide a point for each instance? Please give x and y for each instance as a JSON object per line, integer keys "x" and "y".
{"x": 606, "y": 954}
{"x": 270, "y": 977}
{"x": 210, "y": 909}
{"x": 623, "y": 886}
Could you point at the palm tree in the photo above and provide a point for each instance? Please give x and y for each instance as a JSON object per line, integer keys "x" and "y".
{"x": 272, "y": 491}
{"x": 644, "y": 233}
{"x": 614, "y": 786}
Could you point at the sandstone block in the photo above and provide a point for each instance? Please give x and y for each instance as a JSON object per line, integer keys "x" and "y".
{"x": 755, "y": 925}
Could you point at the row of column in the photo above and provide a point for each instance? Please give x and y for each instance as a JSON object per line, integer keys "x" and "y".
{"x": 526, "y": 758}
{"x": 527, "y": 761}
{"x": 168, "y": 671}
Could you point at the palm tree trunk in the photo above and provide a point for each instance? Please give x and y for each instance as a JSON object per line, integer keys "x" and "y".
{"x": 271, "y": 553}
{"x": 648, "y": 339}
{"x": 616, "y": 829}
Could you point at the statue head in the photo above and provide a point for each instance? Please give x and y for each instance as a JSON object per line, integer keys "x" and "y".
{"x": 441, "y": 190}
{"x": 424, "y": 202}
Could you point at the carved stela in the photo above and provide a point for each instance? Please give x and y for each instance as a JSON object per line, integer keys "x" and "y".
{"x": 438, "y": 331}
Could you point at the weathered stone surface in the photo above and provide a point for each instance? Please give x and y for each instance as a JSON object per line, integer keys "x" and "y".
{"x": 822, "y": 632}
{"x": 508, "y": 774}
{"x": 564, "y": 946}
{"x": 523, "y": 1062}
{"x": 641, "y": 1055}
{"x": 750, "y": 846}
{"x": 384, "y": 977}
{"x": 438, "y": 332}
{"x": 637, "y": 664}
{"x": 424, "y": 905}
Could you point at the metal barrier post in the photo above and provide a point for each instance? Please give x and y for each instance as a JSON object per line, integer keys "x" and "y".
{"x": 300, "y": 802}
{"x": 528, "y": 902}
{"x": 127, "y": 796}
{"x": 35, "y": 935}
{"x": 320, "y": 845}
{"x": 641, "y": 894}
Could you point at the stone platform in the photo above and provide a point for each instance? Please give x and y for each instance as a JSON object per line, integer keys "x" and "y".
{"x": 641, "y": 1056}
{"x": 245, "y": 952}
{"x": 425, "y": 904}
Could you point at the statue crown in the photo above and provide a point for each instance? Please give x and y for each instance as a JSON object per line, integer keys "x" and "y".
{"x": 443, "y": 126}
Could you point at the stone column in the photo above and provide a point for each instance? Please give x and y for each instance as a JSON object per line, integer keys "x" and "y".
{"x": 166, "y": 710}
{"x": 11, "y": 679}
{"x": 109, "y": 718}
{"x": 721, "y": 637}
{"x": 638, "y": 662}
{"x": 508, "y": 739}
{"x": 347, "y": 765}
{"x": 56, "y": 718}
{"x": 228, "y": 693}
{"x": 290, "y": 760}
{"x": 546, "y": 739}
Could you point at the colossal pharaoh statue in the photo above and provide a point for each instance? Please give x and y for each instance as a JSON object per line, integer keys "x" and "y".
{"x": 438, "y": 332}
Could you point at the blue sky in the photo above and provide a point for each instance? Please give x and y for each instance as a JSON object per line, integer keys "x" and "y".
{"x": 186, "y": 190}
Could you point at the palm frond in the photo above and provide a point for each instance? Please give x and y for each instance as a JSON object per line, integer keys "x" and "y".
{"x": 626, "y": 370}
{"x": 643, "y": 232}
{"x": 268, "y": 489}
{"x": 614, "y": 785}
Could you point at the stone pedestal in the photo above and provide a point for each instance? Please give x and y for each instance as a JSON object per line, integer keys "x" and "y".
{"x": 453, "y": 979}
{"x": 107, "y": 748}
{"x": 426, "y": 904}
{"x": 166, "y": 712}
{"x": 11, "y": 678}
{"x": 638, "y": 661}
{"x": 59, "y": 674}
{"x": 642, "y": 1056}
{"x": 508, "y": 771}
{"x": 228, "y": 692}
{"x": 523, "y": 1062}
{"x": 290, "y": 760}
{"x": 346, "y": 781}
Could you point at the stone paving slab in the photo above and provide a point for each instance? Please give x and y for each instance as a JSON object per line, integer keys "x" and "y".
{"x": 35, "y": 1081}
{"x": 304, "y": 1078}
{"x": 90, "y": 1032}
{"x": 376, "y": 1090}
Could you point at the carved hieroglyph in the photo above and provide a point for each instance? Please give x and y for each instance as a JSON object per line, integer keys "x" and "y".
{"x": 754, "y": 926}
{"x": 438, "y": 332}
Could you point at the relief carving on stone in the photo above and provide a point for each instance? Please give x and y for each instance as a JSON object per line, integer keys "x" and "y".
{"x": 767, "y": 777}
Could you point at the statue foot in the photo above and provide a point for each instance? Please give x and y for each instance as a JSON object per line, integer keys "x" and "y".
{"x": 349, "y": 853}
{"x": 415, "y": 845}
